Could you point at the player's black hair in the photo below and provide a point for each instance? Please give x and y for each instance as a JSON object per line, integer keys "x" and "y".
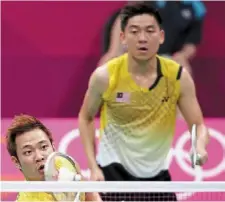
{"x": 139, "y": 8}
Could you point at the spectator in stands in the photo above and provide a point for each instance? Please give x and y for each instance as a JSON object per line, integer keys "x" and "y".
{"x": 182, "y": 23}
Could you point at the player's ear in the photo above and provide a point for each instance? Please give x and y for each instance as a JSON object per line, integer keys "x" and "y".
{"x": 16, "y": 162}
{"x": 123, "y": 38}
{"x": 162, "y": 36}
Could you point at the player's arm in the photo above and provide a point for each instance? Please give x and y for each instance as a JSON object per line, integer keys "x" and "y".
{"x": 192, "y": 113}
{"x": 92, "y": 102}
{"x": 92, "y": 197}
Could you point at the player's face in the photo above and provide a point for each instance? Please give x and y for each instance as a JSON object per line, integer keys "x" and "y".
{"x": 33, "y": 148}
{"x": 142, "y": 36}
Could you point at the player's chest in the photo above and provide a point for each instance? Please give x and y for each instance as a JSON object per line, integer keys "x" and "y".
{"x": 131, "y": 94}
{"x": 126, "y": 106}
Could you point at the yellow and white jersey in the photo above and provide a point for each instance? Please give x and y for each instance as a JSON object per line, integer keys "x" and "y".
{"x": 45, "y": 196}
{"x": 137, "y": 124}
{"x": 37, "y": 196}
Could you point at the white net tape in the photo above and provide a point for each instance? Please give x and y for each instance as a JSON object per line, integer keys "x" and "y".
{"x": 112, "y": 186}
{"x": 127, "y": 191}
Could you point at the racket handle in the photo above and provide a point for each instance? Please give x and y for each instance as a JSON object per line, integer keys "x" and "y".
{"x": 77, "y": 198}
{"x": 198, "y": 159}
{"x": 195, "y": 160}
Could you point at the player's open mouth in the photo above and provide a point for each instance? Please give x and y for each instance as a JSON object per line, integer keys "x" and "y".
{"x": 41, "y": 169}
{"x": 143, "y": 49}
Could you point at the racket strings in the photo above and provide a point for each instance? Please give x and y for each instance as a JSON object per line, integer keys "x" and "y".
{"x": 62, "y": 167}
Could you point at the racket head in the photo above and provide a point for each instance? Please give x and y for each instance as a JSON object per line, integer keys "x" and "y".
{"x": 57, "y": 160}
{"x": 53, "y": 165}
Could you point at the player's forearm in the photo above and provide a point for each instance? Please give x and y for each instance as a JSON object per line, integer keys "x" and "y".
{"x": 87, "y": 133}
{"x": 92, "y": 197}
{"x": 203, "y": 136}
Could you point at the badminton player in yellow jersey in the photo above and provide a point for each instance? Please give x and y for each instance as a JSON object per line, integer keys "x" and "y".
{"x": 138, "y": 94}
{"x": 29, "y": 143}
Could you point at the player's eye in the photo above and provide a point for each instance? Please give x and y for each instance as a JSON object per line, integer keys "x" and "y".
{"x": 150, "y": 31}
{"x": 44, "y": 147}
{"x": 134, "y": 31}
{"x": 27, "y": 153}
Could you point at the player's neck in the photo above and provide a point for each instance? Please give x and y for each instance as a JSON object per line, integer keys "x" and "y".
{"x": 139, "y": 67}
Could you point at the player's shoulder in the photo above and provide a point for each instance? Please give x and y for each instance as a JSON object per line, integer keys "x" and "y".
{"x": 167, "y": 61}
{"x": 101, "y": 73}
{"x": 99, "y": 79}
{"x": 117, "y": 63}
{"x": 186, "y": 78}
{"x": 106, "y": 71}
{"x": 104, "y": 76}
{"x": 34, "y": 196}
{"x": 23, "y": 196}
{"x": 170, "y": 68}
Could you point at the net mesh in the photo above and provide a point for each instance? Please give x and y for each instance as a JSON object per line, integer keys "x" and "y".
{"x": 178, "y": 196}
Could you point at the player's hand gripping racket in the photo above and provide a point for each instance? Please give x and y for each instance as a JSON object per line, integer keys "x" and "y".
{"x": 195, "y": 157}
{"x": 61, "y": 167}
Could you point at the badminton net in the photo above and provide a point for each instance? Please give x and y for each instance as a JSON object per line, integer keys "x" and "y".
{"x": 128, "y": 191}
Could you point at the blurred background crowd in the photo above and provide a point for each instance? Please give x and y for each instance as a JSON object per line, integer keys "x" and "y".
{"x": 49, "y": 50}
